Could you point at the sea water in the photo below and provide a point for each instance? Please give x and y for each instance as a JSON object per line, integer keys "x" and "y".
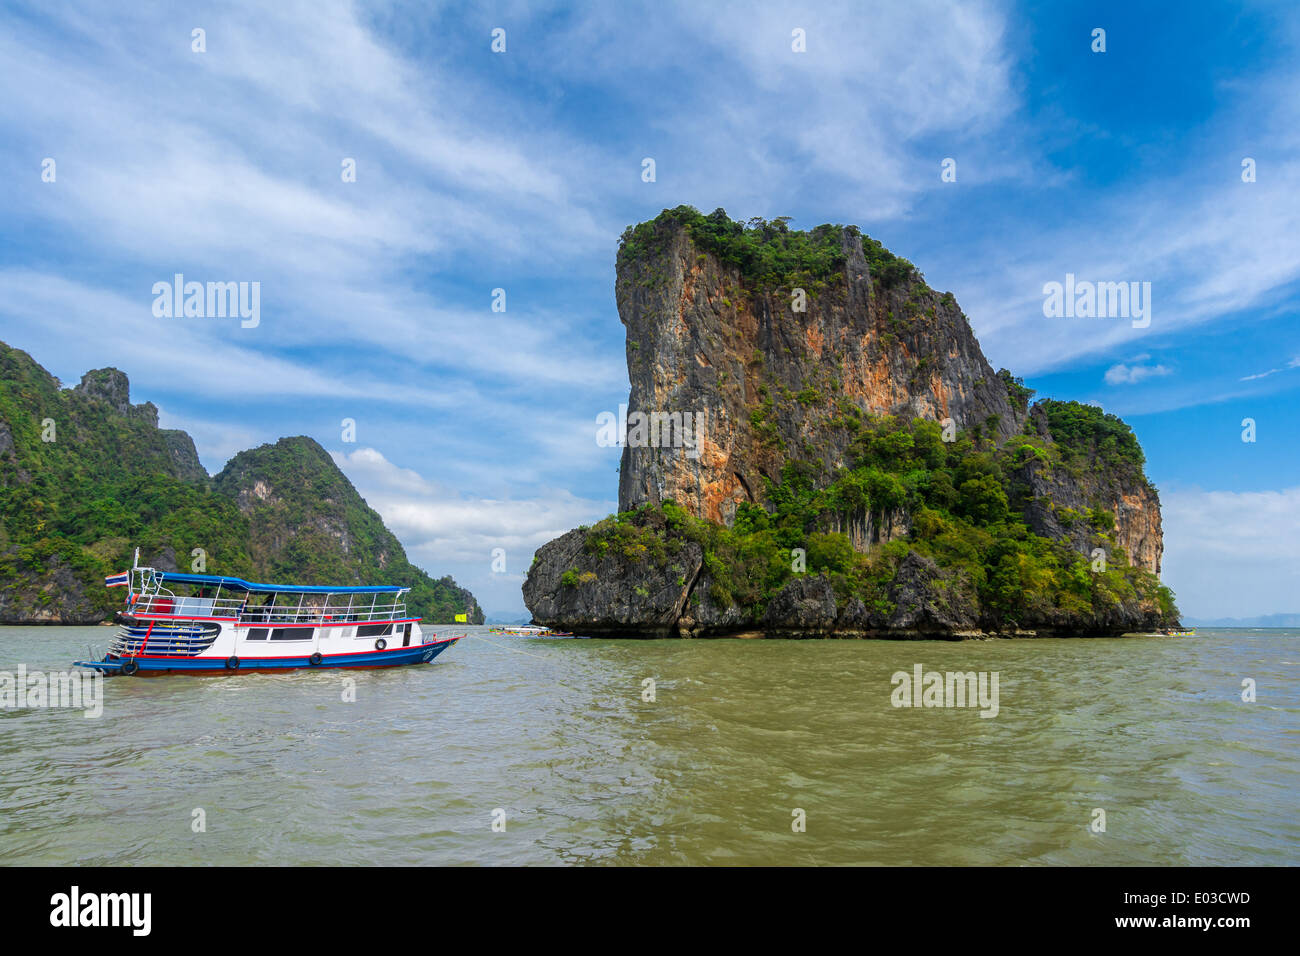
{"x": 556, "y": 751}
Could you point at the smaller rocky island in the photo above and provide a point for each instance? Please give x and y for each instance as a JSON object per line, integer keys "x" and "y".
{"x": 86, "y": 477}
{"x": 852, "y": 466}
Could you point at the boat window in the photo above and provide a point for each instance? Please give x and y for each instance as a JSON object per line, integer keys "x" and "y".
{"x": 291, "y": 634}
{"x": 257, "y": 634}
{"x": 375, "y": 630}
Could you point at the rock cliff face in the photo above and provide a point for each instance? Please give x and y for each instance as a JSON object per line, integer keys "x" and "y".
{"x": 771, "y": 382}
{"x": 745, "y": 363}
{"x": 618, "y": 597}
{"x": 1056, "y": 500}
{"x": 52, "y": 594}
{"x": 612, "y": 596}
{"x": 615, "y": 595}
{"x": 112, "y": 387}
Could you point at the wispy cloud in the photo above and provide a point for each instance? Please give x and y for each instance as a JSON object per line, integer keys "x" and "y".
{"x": 1226, "y": 552}
{"x": 1136, "y": 371}
{"x": 477, "y": 171}
{"x": 98, "y": 327}
{"x": 443, "y": 529}
{"x": 1294, "y": 363}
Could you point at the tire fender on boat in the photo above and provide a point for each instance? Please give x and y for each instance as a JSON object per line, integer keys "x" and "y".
{"x": 129, "y": 667}
{"x": 380, "y": 644}
{"x": 232, "y": 663}
{"x": 315, "y": 658}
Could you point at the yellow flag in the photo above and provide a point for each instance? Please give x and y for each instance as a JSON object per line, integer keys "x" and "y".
{"x": 462, "y": 618}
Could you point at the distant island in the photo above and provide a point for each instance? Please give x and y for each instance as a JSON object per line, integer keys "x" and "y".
{"x": 1267, "y": 620}
{"x": 506, "y": 618}
{"x": 85, "y": 477}
{"x": 816, "y": 446}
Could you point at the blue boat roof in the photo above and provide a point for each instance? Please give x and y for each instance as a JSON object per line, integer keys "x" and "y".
{"x": 240, "y": 584}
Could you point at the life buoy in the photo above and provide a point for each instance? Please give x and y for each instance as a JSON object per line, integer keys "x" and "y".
{"x": 315, "y": 659}
{"x": 380, "y": 644}
{"x": 130, "y": 667}
{"x": 232, "y": 663}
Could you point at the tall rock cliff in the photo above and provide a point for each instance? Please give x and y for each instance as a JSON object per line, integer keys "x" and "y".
{"x": 816, "y": 445}
{"x": 773, "y": 368}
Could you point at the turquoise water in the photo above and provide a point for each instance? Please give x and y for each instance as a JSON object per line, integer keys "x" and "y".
{"x": 555, "y": 734}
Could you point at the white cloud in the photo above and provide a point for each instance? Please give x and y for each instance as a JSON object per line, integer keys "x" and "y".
{"x": 839, "y": 126}
{"x": 1294, "y": 363}
{"x": 1122, "y": 374}
{"x": 446, "y": 531}
{"x": 96, "y": 327}
{"x": 226, "y": 166}
{"x": 233, "y": 173}
{"x": 1209, "y": 244}
{"x": 1232, "y": 554}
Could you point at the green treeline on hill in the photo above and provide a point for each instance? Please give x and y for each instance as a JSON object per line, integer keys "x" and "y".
{"x": 961, "y": 499}
{"x": 768, "y": 254}
{"x": 85, "y": 478}
{"x": 1084, "y": 430}
{"x": 82, "y": 483}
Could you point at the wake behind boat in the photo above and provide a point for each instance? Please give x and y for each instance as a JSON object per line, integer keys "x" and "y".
{"x": 178, "y": 622}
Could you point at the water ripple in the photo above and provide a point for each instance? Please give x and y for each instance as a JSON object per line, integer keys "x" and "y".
{"x": 555, "y": 734}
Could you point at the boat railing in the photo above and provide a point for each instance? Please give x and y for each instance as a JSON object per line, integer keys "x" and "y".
{"x": 186, "y": 607}
{"x": 170, "y": 606}
{"x": 319, "y": 615}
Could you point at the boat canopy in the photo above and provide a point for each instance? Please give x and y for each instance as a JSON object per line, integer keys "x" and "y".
{"x": 239, "y": 584}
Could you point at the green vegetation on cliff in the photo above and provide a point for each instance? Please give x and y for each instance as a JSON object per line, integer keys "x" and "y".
{"x": 959, "y": 502}
{"x": 1017, "y": 392}
{"x": 85, "y": 477}
{"x": 1092, "y": 437}
{"x": 768, "y": 254}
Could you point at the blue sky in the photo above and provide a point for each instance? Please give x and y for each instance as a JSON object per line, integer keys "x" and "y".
{"x": 519, "y": 170}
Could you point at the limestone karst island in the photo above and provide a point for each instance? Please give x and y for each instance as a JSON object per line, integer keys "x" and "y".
{"x": 86, "y": 477}
{"x": 832, "y": 455}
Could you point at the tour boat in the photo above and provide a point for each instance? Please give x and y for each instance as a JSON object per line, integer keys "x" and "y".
{"x": 194, "y": 623}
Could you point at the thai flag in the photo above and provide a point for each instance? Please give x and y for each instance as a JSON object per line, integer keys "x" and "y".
{"x": 118, "y": 580}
